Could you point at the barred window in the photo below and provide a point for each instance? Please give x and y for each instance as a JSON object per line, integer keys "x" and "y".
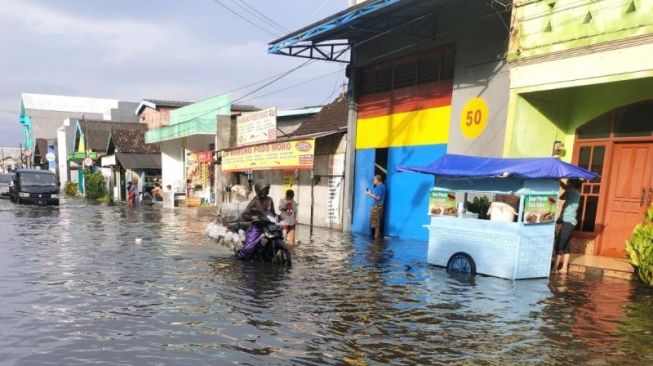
{"x": 412, "y": 70}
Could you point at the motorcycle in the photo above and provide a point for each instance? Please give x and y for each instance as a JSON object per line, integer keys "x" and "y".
{"x": 264, "y": 242}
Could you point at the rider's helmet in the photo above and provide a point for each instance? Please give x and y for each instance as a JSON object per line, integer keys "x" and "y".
{"x": 262, "y": 188}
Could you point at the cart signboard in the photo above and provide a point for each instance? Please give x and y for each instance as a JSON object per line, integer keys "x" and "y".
{"x": 540, "y": 208}
{"x": 442, "y": 202}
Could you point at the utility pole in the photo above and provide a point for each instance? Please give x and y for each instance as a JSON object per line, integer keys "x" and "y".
{"x": 350, "y": 155}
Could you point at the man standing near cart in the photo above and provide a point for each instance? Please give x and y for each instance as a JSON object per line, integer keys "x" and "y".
{"x": 377, "y": 194}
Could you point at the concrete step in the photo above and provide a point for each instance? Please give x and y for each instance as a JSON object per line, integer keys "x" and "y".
{"x": 601, "y": 266}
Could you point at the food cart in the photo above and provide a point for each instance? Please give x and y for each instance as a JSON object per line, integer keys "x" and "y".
{"x": 518, "y": 248}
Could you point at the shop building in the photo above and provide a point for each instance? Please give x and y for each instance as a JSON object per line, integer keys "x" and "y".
{"x": 155, "y": 113}
{"x": 188, "y": 142}
{"x": 129, "y": 157}
{"x": 582, "y": 84}
{"x": 425, "y": 78}
{"x": 90, "y": 145}
{"x": 9, "y": 158}
{"x": 319, "y": 180}
{"x": 48, "y": 117}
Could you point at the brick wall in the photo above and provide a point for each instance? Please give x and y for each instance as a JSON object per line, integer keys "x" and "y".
{"x": 155, "y": 118}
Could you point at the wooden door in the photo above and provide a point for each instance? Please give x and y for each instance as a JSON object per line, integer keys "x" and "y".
{"x": 628, "y": 195}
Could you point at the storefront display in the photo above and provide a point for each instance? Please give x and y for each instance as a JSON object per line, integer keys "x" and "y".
{"x": 199, "y": 175}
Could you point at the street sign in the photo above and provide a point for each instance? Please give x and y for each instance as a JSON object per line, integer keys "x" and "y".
{"x": 88, "y": 162}
{"x": 49, "y": 156}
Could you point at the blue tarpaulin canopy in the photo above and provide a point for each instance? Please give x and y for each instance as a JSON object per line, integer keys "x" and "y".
{"x": 474, "y": 167}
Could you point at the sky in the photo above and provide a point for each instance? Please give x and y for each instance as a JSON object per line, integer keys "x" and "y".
{"x": 162, "y": 49}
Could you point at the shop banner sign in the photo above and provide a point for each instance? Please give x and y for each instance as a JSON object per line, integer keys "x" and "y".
{"x": 205, "y": 157}
{"x": 540, "y": 208}
{"x": 289, "y": 155}
{"x": 257, "y": 127}
{"x": 442, "y": 202}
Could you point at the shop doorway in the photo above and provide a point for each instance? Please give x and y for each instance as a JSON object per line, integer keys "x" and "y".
{"x": 619, "y": 146}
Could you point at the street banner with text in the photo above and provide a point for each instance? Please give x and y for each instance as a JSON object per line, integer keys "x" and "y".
{"x": 287, "y": 155}
{"x": 257, "y": 127}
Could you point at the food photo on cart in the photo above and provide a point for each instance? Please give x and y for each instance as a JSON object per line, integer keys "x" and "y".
{"x": 495, "y": 216}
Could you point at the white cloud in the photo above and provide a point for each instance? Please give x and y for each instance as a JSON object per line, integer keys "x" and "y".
{"x": 122, "y": 40}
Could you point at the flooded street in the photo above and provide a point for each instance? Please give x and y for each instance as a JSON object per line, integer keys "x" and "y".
{"x": 108, "y": 285}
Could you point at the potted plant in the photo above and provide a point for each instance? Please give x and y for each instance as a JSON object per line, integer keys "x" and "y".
{"x": 640, "y": 249}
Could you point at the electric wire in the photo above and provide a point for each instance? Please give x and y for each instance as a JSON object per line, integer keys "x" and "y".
{"x": 261, "y": 15}
{"x": 296, "y": 85}
{"x": 245, "y": 18}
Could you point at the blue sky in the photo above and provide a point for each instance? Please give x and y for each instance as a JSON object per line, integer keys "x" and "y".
{"x": 166, "y": 49}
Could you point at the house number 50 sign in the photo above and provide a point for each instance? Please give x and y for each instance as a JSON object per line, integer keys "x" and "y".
{"x": 473, "y": 118}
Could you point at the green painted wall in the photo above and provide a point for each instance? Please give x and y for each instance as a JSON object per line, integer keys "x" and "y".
{"x": 540, "y": 118}
{"x": 545, "y": 26}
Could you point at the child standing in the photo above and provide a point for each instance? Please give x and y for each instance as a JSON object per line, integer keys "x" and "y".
{"x": 288, "y": 208}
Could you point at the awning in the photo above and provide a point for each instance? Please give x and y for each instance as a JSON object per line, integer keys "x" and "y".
{"x": 195, "y": 119}
{"x": 139, "y": 161}
{"x": 472, "y": 167}
{"x": 331, "y": 38}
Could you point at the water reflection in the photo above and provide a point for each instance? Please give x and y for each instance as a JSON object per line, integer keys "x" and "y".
{"x": 109, "y": 285}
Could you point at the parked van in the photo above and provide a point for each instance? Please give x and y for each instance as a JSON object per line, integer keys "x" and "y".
{"x": 35, "y": 187}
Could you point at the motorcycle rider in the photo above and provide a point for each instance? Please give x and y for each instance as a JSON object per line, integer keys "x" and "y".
{"x": 261, "y": 205}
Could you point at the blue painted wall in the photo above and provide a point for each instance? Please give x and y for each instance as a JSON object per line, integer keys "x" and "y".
{"x": 406, "y": 203}
{"x": 364, "y": 172}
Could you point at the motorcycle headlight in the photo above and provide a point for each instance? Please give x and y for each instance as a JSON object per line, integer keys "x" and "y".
{"x": 54, "y": 196}
{"x": 23, "y": 195}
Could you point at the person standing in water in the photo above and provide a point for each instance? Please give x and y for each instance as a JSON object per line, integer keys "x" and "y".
{"x": 130, "y": 194}
{"x": 568, "y": 221}
{"x": 288, "y": 213}
{"x": 377, "y": 194}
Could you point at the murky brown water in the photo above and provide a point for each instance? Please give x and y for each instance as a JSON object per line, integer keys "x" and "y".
{"x": 76, "y": 287}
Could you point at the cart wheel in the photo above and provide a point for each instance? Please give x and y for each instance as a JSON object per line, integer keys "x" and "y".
{"x": 461, "y": 264}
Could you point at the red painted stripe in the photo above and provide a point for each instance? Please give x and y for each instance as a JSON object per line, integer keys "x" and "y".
{"x": 404, "y": 100}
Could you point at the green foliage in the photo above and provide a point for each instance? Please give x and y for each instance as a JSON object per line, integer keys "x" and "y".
{"x": 94, "y": 186}
{"x": 640, "y": 249}
{"x": 479, "y": 206}
{"x": 70, "y": 189}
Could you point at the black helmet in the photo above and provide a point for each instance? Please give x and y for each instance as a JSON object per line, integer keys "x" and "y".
{"x": 262, "y": 188}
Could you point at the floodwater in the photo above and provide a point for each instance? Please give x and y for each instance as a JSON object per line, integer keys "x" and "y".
{"x": 109, "y": 285}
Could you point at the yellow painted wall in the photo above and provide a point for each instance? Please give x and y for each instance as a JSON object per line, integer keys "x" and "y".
{"x": 424, "y": 127}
